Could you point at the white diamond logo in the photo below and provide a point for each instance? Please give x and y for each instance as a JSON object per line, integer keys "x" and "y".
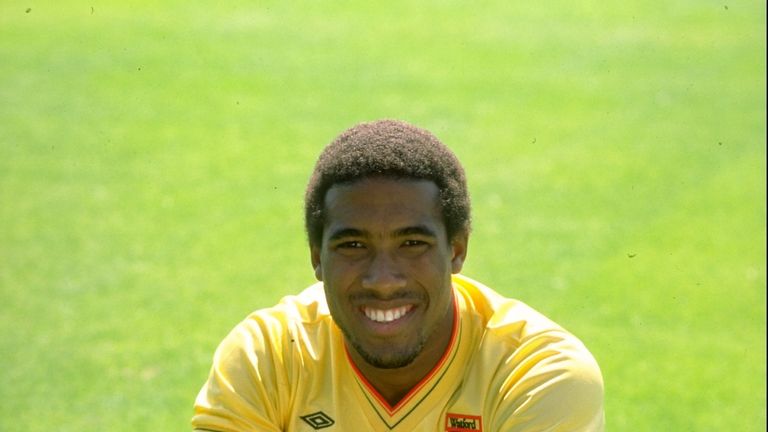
{"x": 318, "y": 420}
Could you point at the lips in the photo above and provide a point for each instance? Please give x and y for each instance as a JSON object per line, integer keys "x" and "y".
{"x": 386, "y": 315}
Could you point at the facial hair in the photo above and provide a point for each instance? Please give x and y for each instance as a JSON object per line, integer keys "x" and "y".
{"x": 393, "y": 359}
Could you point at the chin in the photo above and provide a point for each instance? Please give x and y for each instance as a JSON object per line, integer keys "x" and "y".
{"x": 389, "y": 359}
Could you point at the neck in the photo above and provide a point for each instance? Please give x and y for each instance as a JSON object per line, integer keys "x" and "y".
{"x": 394, "y": 384}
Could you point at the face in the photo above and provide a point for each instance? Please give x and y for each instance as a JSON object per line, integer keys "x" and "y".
{"x": 386, "y": 264}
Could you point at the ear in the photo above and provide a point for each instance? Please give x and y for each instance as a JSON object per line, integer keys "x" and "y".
{"x": 314, "y": 252}
{"x": 459, "y": 245}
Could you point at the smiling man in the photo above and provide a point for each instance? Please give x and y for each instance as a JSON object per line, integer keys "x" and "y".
{"x": 392, "y": 337}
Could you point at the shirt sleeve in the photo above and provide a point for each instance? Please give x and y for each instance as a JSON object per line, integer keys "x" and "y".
{"x": 550, "y": 383}
{"x": 246, "y": 387}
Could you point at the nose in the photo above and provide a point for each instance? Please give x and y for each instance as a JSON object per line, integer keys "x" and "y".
{"x": 384, "y": 275}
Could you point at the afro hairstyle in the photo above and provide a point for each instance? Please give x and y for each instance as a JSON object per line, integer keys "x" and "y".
{"x": 391, "y": 149}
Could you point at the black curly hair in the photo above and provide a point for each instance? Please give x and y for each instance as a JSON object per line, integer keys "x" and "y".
{"x": 388, "y": 148}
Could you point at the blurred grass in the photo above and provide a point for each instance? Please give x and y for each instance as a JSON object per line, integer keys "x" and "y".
{"x": 153, "y": 160}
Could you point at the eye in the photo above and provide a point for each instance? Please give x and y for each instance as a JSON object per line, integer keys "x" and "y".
{"x": 351, "y": 249}
{"x": 414, "y": 243}
{"x": 414, "y": 248}
{"x": 353, "y": 244}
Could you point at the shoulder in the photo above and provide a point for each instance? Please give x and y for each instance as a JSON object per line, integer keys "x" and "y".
{"x": 257, "y": 366}
{"x": 501, "y": 315}
{"x": 542, "y": 371}
{"x": 271, "y": 328}
{"x": 504, "y": 317}
{"x": 270, "y": 341}
{"x": 515, "y": 327}
{"x": 307, "y": 307}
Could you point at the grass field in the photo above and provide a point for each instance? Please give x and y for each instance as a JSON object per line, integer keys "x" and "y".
{"x": 153, "y": 160}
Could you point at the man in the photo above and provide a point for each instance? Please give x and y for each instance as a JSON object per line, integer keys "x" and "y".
{"x": 392, "y": 338}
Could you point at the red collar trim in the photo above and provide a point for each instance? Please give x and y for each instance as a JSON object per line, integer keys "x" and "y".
{"x": 393, "y": 409}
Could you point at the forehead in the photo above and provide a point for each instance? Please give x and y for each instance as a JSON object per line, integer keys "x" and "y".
{"x": 383, "y": 202}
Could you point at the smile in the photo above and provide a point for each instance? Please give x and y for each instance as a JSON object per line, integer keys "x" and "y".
{"x": 386, "y": 315}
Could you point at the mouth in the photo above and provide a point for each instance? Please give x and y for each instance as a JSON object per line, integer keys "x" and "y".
{"x": 385, "y": 316}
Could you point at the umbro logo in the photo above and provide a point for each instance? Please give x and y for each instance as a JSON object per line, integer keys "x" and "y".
{"x": 318, "y": 420}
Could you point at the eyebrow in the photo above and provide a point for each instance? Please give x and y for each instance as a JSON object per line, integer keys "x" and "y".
{"x": 346, "y": 232}
{"x": 420, "y": 230}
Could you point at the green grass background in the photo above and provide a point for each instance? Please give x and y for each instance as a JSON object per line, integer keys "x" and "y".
{"x": 153, "y": 160}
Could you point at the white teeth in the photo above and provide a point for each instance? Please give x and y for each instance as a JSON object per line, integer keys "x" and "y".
{"x": 385, "y": 316}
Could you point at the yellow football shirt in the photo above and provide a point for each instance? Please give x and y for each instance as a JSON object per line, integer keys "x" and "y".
{"x": 507, "y": 368}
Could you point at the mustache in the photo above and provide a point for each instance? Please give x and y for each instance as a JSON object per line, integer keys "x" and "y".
{"x": 368, "y": 294}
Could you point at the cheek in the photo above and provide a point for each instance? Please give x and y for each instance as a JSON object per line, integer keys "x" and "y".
{"x": 434, "y": 278}
{"x": 434, "y": 264}
{"x": 339, "y": 273}
{"x": 435, "y": 274}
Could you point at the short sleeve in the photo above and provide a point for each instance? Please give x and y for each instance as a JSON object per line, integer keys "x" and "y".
{"x": 550, "y": 383}
{"x": 245, "y": 387}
